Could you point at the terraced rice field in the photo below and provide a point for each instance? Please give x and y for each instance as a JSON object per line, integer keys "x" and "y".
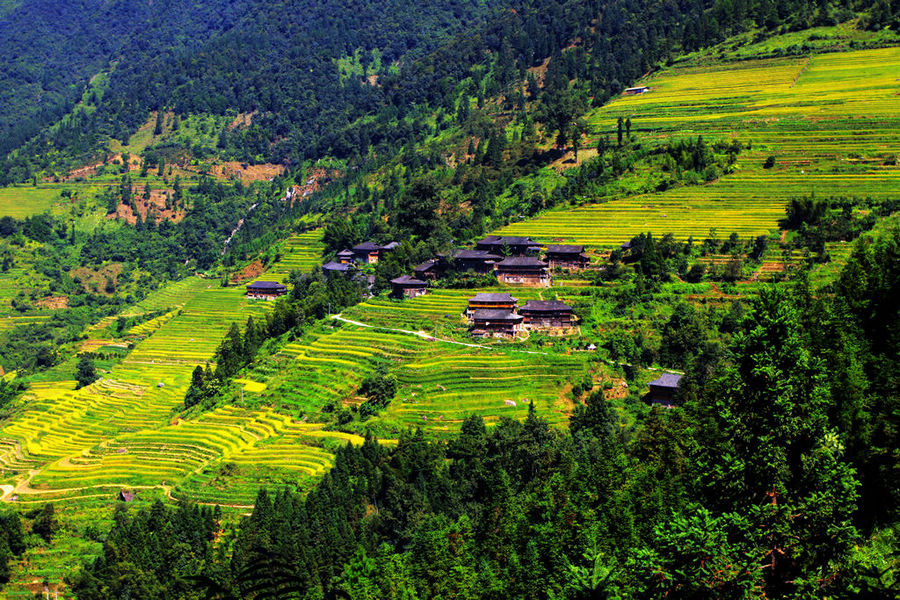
{"x": 441, "y": 381}
{"x": 831, "y": 121}
{"x": 299, "y": 252}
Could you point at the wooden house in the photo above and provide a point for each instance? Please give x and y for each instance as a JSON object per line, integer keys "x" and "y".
{"x": 408, "y": 287}
{"x": 547, "y": 314}
{"x": 485, "y": 301}
{"x": 515, "y": 246}
{"x": 663, "y": 389}
{"x": 125, "y": 496}
{"x": 633, "y": 91}
{"x": 523, "y": 270}
{"x": 331, "y": 268}
{"x": 265, "y": 290}
{"x": 479, "y": 261}
{"x": 495, "y": 323}
{"x": 367, "y": 252}
{"x": 346, "y": 256}
{"x": 431, "y": 269}
{"x": 567, "y": 257}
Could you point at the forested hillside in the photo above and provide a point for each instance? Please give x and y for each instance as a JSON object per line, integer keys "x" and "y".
{"x": 168, "y": 430}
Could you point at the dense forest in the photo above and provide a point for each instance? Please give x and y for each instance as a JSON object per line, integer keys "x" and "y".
{"x": 194, "y": 58}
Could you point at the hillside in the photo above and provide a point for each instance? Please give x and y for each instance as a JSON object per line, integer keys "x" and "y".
{"x": 753, "y": 186}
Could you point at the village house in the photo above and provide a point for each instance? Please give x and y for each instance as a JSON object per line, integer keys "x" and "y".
{"x": 523, "y": 270}
{"x": 479, "y": 261}
{"x": 345, "y": 256}
{"x": 265, "y": 290}
{"x": 408, "y": 287}
{"x": 332, "y": 267}
{"x": 370, "y": 252}
{"x": 642, "y": 89}
{"x": 663, "y": 389}
{"x": 495, "y": 323}
{"x": 547, "y": 314}
{"x": 486, "y": 301}
{"x": 515, "y": 246}
{"x": 431, "y": 269}
{"x": 567, "y": 257}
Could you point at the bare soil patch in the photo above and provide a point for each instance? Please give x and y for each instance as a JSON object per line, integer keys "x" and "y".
{"x": 251, "y": 271}
{"x": 53, "y": 302}
{"x": 153, "y": 210}
{"x": 242, "y": 120}
{"x": 246, "y": 172}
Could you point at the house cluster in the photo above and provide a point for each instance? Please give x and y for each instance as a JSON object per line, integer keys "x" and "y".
{"x": 499, "y": 315}
{"x": 367, "y": 253}
{"x": 513, "y": 260}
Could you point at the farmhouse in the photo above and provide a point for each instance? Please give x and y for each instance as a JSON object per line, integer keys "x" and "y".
{"x": 345, "y": 256}
{"x": 265, "y": 290}
{"x": 479, "y": 261}
{"x": 517, "y": 246}
{"x": 547, "y": 314}
{"x": 523, "y": 270}
{"x": 662, "y": 390}
{"x": 636, "y": 90}
{"x": 408, "y": 287}
{"x": 567, "y": 257}
{"x": 370, "y": 252}
{"x": 483, "y": 301}
{"x": 431, "y": 269}
{"x": 495, "y": 323}
{"x": 330, "y": 268}
{"x": 125, "y": 496}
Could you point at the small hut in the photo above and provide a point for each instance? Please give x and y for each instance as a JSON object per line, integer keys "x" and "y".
{"x": 663, "y": 389}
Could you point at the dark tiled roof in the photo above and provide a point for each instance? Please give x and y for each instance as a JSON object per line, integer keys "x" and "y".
{"x": 476, "y": 254}
{"x": 667, "y": 380}
{"x": 564, "y": 249}
{"x": 545, "y": 306}
{"x": 427, "y": 264}
{"x": 345, "y": 252}
{"x": 366, "y": 247}
{"x": 391, "y": 246}
{"x": 496, "y": 240}
{"x": 486, "y": 314}
{"x": 266, "y": 285}
{"x": 484, "y": 297}
{"x": 407, "y": 280}
{"x": 521, "y": 261}
{"x": 335, "y": 266}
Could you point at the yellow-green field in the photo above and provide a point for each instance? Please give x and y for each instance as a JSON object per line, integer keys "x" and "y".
{"x": 831, "y": 121}
{"x": 78, "y": 448}
{"x": 24, "y": 201}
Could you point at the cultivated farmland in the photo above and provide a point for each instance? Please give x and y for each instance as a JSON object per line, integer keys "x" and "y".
{"x": 831, "y": 122}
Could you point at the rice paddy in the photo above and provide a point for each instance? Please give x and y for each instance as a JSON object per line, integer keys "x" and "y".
{"x": 831, "y": 121}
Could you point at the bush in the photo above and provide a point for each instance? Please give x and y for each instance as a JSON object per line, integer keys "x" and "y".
{"x": 770, "y": 162}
